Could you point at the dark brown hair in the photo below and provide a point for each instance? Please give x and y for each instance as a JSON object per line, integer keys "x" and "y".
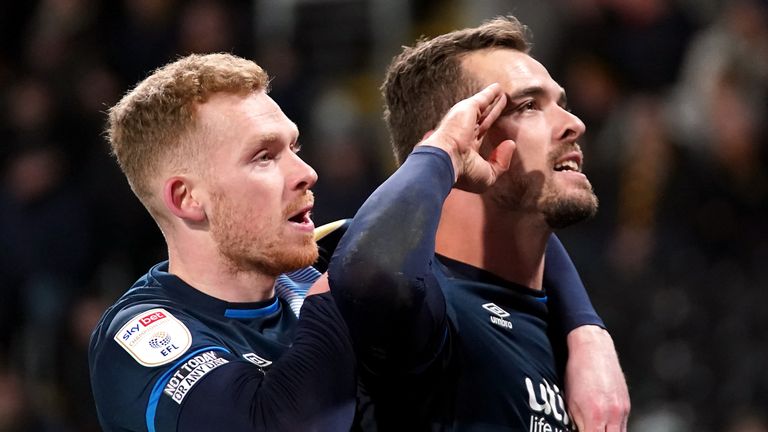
{"x": 424, "y": 81}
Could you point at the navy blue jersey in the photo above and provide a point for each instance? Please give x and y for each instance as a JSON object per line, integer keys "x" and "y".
{"x": 506, "y": 372}
{"x": 168, "y": 357}
{"x": 438, "y": 341}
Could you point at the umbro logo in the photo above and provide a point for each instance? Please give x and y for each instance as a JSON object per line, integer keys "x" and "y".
{"x": 498, "y": 315}
{"x": 499, "y": 312}
{"x": 258, "y": 361}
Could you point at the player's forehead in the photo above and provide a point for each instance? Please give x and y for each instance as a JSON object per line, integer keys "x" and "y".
{"x": 250, "y": 117}
{"x": 514, "y": 70}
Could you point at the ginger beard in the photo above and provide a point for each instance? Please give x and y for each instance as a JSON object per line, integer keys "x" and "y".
{"x": 534, "y": 192}
{"x": 260, "y": 245}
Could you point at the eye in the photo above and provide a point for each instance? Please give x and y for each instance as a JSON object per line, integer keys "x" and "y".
{"x": 263, "y": 157}
{"x": 527, "y": 106}
{"x": 296, "y": 147}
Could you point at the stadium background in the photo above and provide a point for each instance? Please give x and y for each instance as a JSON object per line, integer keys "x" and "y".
{"x": 674, "y": 94}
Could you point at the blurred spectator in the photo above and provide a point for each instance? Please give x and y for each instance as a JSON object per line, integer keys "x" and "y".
{"x": 45, "y": 248}
{"x": 643, "y": 39}
{"x": 728, "y": 59}
{"x": 749, "y": 421}
{"x": 32, "y": 111}
{"x": 662, "y": 419}
{"x": 344, "y": 153}
{"x": 208, "y": 26}
{"x": 141, "y": 36}
{"x": 60, "y": 32}
{"x": 15, "y": 412}
{"x": 78, "y": 405}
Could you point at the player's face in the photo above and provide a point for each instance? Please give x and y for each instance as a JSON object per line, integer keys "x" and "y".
{"x": 259, "y": 201}
{"x": 545, "y": 177}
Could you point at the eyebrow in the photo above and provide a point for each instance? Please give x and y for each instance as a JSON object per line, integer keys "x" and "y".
{"x": 537, "y": 91}
{"x": 271, "y": 137}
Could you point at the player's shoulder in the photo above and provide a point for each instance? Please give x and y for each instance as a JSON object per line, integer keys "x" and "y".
{"x": 139, "y": 302}
{"x": 153, "y": 334}
{"x": 145, "y": 323}
{"x": 138, "y": 340}
{"x": 129, "y": 347}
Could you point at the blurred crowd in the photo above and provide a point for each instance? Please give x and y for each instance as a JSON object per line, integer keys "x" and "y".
{"x": 674, "y": 94}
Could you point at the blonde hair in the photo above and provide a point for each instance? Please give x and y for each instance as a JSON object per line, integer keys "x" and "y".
{"x": 150, "y": 128}
{"x": 424, "y": 81}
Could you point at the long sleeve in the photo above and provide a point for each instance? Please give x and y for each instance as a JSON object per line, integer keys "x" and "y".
{"x": 380, "y": 274}
{"x": 310, "y": 388}
{"x": 568, "y": 300}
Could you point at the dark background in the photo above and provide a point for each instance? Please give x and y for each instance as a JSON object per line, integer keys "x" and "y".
{"x": 674, "y": 95}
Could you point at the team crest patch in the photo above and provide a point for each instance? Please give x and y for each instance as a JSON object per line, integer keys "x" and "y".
{"x": 154, "y": 337}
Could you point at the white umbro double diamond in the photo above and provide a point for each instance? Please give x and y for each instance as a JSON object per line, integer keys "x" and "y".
{"x": 258, "y": 361}
{"x": 498, "y": 315}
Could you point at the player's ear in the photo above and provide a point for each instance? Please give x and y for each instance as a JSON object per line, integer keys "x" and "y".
{"x": 179, "y": 198}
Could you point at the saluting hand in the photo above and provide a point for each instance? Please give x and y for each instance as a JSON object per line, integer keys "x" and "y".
{"x": 461, "y": 132}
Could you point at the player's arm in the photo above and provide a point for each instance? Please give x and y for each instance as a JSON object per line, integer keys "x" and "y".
{"x": 311, "y": 387}
{"x": 596, "y": 390}
{"x": 380, "y": 274}
{"x": 207, "y": 387}
{"x": 568, "y": 299}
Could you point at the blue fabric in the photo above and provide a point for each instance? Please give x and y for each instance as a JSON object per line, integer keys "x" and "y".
{"x": 292, "y": 287}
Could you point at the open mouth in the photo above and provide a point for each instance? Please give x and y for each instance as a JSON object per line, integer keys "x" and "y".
{"x": 304, "y": 216}
{"x": 571, "y": 162}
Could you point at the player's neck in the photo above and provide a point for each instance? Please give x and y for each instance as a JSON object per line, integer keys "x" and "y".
{"x": 203, "y": 267}
{"x": 506, "y": 244}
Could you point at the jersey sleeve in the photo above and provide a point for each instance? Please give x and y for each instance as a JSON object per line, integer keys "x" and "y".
{"x": 137, "y": 387}
{"x": 144, "y": 359}
{"x": 311, "y": 387}
{"x": 381, "y": 275}
{"x": 568, "y": 300}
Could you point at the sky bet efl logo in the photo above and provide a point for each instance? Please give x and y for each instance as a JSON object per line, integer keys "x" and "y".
{"x": 154, "y": 337}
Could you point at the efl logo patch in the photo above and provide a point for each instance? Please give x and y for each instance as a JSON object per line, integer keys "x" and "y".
{"x": 154, "y": 337}
{"x": 188, "y": 374}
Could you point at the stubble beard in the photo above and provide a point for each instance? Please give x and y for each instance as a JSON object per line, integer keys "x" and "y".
{"x": 257, "y": 247}
{"x": 562, "y": 210}
{"x": 531, "y": 193}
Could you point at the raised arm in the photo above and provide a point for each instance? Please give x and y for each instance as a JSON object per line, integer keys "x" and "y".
{"x": 380, "y": 274}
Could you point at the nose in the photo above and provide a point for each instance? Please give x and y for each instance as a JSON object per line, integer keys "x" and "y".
{"x": 572, "y": 126}
{"x": 303, "y": 176}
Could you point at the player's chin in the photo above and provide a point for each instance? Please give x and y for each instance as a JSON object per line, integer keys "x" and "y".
{"x": 307, "y": 254}
{"x": 567, "y": 210}
{"x": 294, "y": 258}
